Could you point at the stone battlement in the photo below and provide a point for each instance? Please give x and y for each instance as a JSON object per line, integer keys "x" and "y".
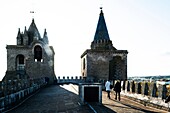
{"x": 148, "y": 93}
{"x": 68, "y": 79}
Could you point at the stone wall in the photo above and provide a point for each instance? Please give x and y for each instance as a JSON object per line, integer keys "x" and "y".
{"x": 33, "y": 69}
{"x": 12, "y": 52}
{"x": 13, "y": 92}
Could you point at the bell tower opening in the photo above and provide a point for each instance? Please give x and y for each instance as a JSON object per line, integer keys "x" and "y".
{"x": 38, "y": 54}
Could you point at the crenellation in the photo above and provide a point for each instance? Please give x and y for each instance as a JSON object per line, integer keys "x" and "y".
{"x": 132, "y": 87}
{"x": 153, "y": 89}
{"x": 145, "y": 88}
{"x": 162, "y": 90}
{"x": 138, "y": 87}
{"x": 150, "y": 89}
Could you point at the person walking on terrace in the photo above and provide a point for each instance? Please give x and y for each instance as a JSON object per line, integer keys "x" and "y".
{"x": 117, "y": 89}
{"x": 107, "y": 85}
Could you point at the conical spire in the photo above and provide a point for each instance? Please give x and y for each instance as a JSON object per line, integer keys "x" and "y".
{"x": 18, "y": 35}
{"x": 33, "y": 32}
{"x": 45, "y": 37}
{"x": 101, "y": 30}
{"x": 25, "y": 31}
{"x": 25, "y": 37}
{"x": 101, "y": 39}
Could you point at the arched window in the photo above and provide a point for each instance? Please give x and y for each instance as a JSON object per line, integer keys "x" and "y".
{"x": 84, "y": 64}
{"x": 38, "y": 53}
{"x": 20, "y": 62}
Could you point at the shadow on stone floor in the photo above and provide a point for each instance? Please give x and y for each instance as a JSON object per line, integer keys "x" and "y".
{"x": 56, "y": 99}
{"x": 127, "y": 106}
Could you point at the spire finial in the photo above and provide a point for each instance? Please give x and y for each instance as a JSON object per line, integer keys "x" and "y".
{"x": 32, "y": 20}
{"x": 45, "y": 31}
{"x": 32, "y": 13}
{"x": 101, "y": 12}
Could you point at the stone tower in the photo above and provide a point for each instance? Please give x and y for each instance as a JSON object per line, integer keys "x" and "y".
{"x": 31, "y": 58}
{"x": 103, "y": 60}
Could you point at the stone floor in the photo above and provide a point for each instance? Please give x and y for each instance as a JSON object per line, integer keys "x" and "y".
{"x": 126, "y": 105}
{"x": 64, "y": 99}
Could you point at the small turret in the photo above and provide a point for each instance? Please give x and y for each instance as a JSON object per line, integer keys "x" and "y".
{"x": 45, "y": 37}
{"x": 19, "y": 38}
{"x": 25, "y": 37}
{"x": 33, "y": 33}
{"x": 101, "y": 38}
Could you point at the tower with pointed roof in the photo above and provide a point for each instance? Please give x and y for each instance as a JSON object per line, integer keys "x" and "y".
{"x": 31, "y": 57}
{"x": 103, "y": 60}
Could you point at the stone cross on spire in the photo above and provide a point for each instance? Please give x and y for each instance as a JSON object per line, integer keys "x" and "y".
{"x": 32, "y": 11}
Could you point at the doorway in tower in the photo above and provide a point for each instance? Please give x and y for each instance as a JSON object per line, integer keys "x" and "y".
{"x": 115, "y": 68}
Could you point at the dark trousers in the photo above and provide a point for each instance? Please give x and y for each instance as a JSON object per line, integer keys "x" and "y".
{"x": 108, "y": 94}
{"x": 117, "y": 93}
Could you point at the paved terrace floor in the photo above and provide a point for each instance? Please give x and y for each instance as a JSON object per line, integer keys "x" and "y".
{"x": 64, "y": 99}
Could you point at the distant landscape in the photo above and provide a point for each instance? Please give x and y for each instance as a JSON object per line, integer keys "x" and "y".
{"x": 150, "y": 78}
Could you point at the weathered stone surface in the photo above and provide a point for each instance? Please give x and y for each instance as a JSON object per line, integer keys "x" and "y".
{"x": 153, "y": 89}
{"x": 138, "y": 87}
{"x": 104, "y": 65}
{"x": 132, "y": 87}
{"x": 145, "y": 88}
{"x": 127, "y": 86}
{"x": 162, "y": 90}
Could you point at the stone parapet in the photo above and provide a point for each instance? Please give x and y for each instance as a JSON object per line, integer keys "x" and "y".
{"x": 148, "y": 93}
{"x": 146, "y": 88}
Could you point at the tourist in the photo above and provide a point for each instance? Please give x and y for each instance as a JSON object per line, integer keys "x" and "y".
{"x": 107, "y": 85}
{"x": 117, "y": 89}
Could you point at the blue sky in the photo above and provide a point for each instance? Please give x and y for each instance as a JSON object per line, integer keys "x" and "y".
{"x": 140, "y": 26}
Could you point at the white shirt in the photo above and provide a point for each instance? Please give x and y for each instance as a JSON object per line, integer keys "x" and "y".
{"x": 107, "y": 85}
